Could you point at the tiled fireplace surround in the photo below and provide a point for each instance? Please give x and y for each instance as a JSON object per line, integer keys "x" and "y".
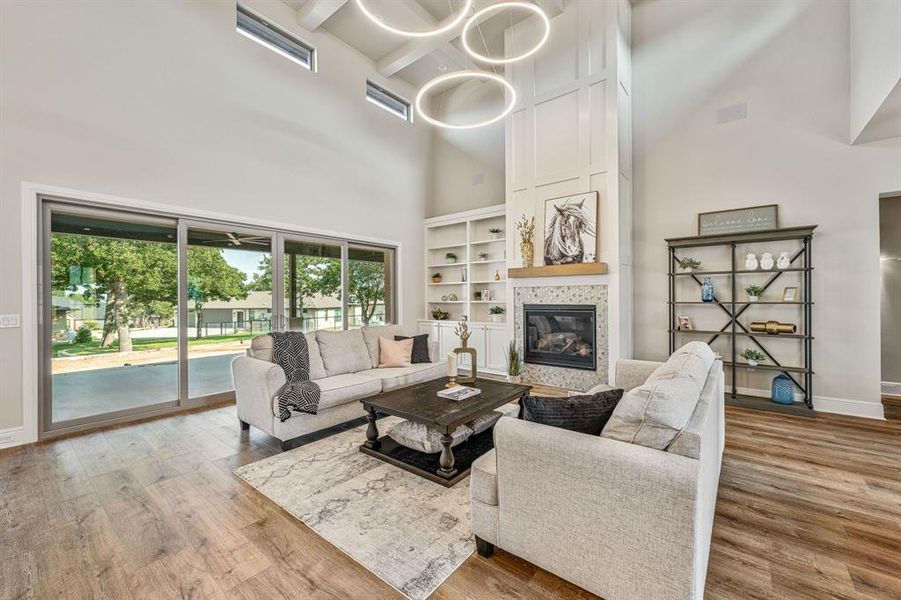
{"x": 573, "y": 379}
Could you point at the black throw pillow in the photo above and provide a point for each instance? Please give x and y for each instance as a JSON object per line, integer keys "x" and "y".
{"x": 420, "y": 347}
{"x": 585, "y": 414}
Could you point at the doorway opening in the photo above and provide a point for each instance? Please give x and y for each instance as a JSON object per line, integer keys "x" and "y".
{"x": 890, "y": 292}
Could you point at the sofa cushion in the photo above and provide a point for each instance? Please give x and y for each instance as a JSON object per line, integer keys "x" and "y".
{"x": 343, "y": 351}
{"x": 693, "y": 360}
{"x": 395, "y": 353}
{"x": 420, "y": 348}
{"x": 485, "y": 422}
{"x": 396, "y": 377}
{"x": 483, "y": 479}
{"x": 585, "y": 413}
{"x": 423, "y": 438}
{"x": 261, "y": 349}
{"x": 653, "y": 414}
{"x": 339, "y": 389}
{"x": 371, "y": 337}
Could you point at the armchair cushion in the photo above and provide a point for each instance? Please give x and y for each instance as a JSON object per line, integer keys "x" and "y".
{"x": 585, "y": 414}
{"x": 483, "y": 479}
{"x": 344, "y": 351}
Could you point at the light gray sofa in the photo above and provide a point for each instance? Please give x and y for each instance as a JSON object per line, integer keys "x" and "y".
{"x": 621, "y": 520}
{"x": 345, "y": 365}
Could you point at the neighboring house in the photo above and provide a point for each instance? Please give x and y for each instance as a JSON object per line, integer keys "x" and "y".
{"x": 319, "y": 312}
{"x": 68, "y": 313}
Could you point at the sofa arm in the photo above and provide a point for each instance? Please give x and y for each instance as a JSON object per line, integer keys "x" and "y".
{"x": 633, "y": 373}
{"x": 615, "y": 518}
{"x": 256, "y": 383}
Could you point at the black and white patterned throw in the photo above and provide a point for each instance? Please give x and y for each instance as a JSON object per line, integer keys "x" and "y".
{"x": 290, "y": 352}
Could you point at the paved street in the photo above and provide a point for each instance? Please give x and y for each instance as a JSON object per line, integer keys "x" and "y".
{"x": 85, "y": 393}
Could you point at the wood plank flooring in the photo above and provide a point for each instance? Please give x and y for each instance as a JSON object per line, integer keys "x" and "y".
{"x": 808, "y": 508}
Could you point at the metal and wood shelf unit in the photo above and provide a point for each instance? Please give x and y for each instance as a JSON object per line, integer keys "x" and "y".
{"x": 733, "y": 329}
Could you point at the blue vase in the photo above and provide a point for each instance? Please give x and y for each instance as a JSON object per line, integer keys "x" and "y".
{"x": 707, "y": 290}
{"x": 782, "y": 390}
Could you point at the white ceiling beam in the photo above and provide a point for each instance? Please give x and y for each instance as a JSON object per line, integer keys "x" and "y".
{"x": 551, "y": 8}
{"x": 417, "y": 48}
{"x": 315, "y": 12}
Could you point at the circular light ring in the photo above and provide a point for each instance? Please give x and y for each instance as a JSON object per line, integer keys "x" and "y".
{"x": 463, "y": 75}
{"x": 446, "y": 27}
{"x": 471, "y": 22}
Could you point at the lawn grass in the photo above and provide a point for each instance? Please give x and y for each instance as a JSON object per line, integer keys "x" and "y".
{"x": 93, "y": 347}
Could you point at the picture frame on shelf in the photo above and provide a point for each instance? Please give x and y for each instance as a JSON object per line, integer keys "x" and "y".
{"x": 685, "y": 324}
{"x": 790, "y": 294}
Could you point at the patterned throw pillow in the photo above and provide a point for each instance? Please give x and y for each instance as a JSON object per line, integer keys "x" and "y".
{"x": 585, "y": 414}
{"x": 420, "y": 347}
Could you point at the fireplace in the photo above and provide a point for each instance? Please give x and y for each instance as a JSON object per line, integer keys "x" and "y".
{"x": 560, "y": 335}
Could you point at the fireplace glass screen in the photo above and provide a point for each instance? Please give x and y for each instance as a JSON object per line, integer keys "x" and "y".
{"x": 561, "y": 335}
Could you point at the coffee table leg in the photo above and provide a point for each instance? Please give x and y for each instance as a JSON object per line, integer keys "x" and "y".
{"x": 446, "y": 461}
{"x": 372, "y": 432}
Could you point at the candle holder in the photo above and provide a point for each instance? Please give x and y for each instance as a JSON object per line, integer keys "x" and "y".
{"x": 451, "y": 382}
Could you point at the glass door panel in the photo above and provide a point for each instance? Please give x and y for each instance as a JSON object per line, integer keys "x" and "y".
{"x": 111, "y": 340}
{"x": 312, "y": 285}
{"x": 229, "y": 301}
{"x": 369, "y": 281}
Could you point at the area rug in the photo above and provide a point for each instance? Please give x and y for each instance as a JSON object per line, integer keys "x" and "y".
{"x": 408, "y": 531}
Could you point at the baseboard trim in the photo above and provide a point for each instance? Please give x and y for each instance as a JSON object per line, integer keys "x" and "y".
{"x": 839, "y": 406}
{"x": 14, "y": 436}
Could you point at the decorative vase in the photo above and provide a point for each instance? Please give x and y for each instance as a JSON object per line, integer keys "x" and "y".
{"x": 497, "y": 275}
{"x": 436, "y": 279}
{"x": 496, "y": 235}
{"x": 752, "y": 362}
{"x": 781, "y": 391}
{"x": 766, "y": 261}
{"x": 707, "y": 290}
{"x": 784, "y": 261}
{"x": 497, "y": 318}
{"x": 451, "y": 261}
{"x": 753, "y": 298}
{"x": 751, "y": 262}
{"x": 527, "y": 250}
{"x": 514, "y": 378}
{"x": 773, "y": 327}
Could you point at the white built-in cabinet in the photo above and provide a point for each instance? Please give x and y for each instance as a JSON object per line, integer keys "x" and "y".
{"x": 480, "y": 265}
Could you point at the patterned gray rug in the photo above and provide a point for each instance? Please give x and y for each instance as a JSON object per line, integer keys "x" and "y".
{"x": 408, "y": 531}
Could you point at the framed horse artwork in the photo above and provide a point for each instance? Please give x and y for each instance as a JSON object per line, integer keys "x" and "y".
{"x": 570, "y": 229}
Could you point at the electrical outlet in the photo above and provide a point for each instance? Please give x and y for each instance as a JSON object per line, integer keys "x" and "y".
{"x": 9, "y": 320}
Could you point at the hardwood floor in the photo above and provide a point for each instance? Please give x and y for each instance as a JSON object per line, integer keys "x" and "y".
{"x": 808, "y": 508}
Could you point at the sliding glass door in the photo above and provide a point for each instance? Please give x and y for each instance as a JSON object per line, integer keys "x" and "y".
{"x": 111, "y": 342}
{"x": 144, "y": 314}
{"x": 228, "y": 298}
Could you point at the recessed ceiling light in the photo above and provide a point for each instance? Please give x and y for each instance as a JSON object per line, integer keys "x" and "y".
{"x": 446, "y": 27}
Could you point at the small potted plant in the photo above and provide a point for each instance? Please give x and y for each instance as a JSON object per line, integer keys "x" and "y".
{"x": 754, "y": 357}
{"x": 495, "y": 232}
{"x": 497, "y": 313}
{"x": 754, "y": 292}
{"x": 483, "y": 256}
{"x": 439, "y": 315}
{"x": 451, "y": 258}
{"x": 514, "y": 364}
{"x": 436, "y": 278}
{"x": 688, "y": 264}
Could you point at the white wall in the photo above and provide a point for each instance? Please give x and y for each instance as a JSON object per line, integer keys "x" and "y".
{"x": 461, "y": 180}
{"x": 571, "y": 132}
{"x": 789, "y": 62}
{"x": 163, "y": 101}
{"x": 875, "y": 60}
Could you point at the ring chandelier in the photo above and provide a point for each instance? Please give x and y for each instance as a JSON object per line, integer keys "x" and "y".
{"x": 446, "y": 27}
{"x": 473, "y": 22}
{"x": 465, "y": 75}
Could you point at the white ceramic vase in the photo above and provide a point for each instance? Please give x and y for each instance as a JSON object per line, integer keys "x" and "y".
{"x": 751, "y": 262}
{"x": 514, "y": 378}
{"x": 752, "y": 363}
{"x": 753, "y": 298}
{"x": 784, "y": 261}
{"x": 497, "y": 318}
{"x": 766, "y": 261}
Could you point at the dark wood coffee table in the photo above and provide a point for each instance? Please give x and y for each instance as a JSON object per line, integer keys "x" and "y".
{"x": 420, "y": 403}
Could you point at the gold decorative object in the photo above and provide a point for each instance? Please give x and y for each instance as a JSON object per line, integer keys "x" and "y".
{"x": 526, "y": 228}
{"x": 773, "y": 327}
{"x": 463, "y": 332}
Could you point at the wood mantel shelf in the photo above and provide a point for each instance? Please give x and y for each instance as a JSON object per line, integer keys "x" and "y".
{"x": 597, "y": 268}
